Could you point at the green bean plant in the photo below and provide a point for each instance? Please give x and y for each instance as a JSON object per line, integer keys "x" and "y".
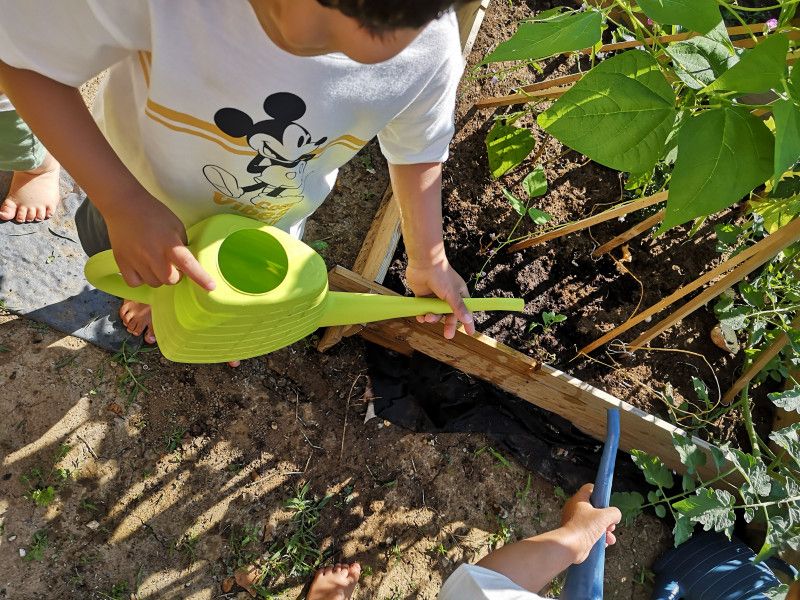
{"x": 696, "y": 105}
{"x": 713, "y": 118}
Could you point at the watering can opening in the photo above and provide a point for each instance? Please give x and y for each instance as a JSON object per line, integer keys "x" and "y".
{"x": 253, "y": 261}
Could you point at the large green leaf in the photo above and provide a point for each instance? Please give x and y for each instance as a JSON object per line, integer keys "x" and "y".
{"x": 723, "y": 154}
{"x": 539, "y": 39}
{"x": 629, "y": 504}
{"x": 654, "y": 470}
{"x": 711, "y": 508}
{"x": 619, "y": 114}
{"x": 507, "y": 146}
{"x": 699, "y": 61}
{"x": 787, "y": 128}
{"x": 788, "y": 438}
{"x": 788, "y": 400}
{"x": 698, "y": 15}
{"x": 758, "y": 70}
{"x": 691, "y": 454}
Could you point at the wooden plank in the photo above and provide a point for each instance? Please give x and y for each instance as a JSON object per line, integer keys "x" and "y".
{"x": 518, "y": 374}
{"x": 612, "y": 213}
{"x": 470, "y": 18}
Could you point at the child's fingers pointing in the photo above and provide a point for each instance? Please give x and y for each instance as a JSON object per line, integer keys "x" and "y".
{"x": 187, "y": 264}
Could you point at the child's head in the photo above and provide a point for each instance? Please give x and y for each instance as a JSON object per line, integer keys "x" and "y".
{"x": 368, "y": 31}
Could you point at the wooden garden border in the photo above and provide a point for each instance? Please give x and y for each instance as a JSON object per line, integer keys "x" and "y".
{"x": 481, "y": 356}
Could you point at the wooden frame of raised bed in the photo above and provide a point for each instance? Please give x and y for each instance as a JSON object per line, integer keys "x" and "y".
{"x": 482, "y": 356}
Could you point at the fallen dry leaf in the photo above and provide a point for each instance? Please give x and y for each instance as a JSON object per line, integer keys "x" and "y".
{"x": 246, "y": 577}
{"x": 227, "y": 585}
{"x": 726, "y": 343}
{"x": 115, "y": 408}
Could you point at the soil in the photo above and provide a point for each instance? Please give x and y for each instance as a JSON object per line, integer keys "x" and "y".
{"x": 561, "y": 276}
{"x": 162, "y": 487}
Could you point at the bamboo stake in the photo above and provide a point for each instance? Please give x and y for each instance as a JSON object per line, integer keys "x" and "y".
{"x": 766, "y": 355}
{"x": 777, "y": 242}
{"x": 790, "y": 231}
{"x": 526, "y": 92}
{"x": 649, "y": 222}
{"x": 607, "y": 215}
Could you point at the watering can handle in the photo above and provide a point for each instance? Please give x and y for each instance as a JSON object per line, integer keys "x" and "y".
{"x": 102, "y": 272}
{"x": 345, "y": 308}
{"x": 585, "y": 581}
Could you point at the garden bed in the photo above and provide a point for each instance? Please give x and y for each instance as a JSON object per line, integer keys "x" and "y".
{"x": 560, "y": 276}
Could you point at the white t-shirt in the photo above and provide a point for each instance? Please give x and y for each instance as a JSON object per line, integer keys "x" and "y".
{"x": 211, "y": 116}
{"x": 471, "y": 582}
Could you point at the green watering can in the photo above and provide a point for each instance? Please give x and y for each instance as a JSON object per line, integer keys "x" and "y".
{"x": 272, "y": 290}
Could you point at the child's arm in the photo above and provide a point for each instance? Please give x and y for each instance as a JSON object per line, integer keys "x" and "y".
{"x": 418, "y": 190}
{"x": 147, "y": 238}
{"x": 533, "y": 562}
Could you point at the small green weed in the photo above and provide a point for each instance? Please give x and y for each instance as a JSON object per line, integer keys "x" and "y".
{"x": 187, "y": 546}
{"x": 549, "y": 319}
{"x": 498, "y": 457}
{"x": 504, "y": 533}
{"x": 43, "y": 487}
{"x": 39, "y": 543}
{"x": 119, "y": 591}
{"x": 174, "y": 439}
{"x": 131, "y": 382}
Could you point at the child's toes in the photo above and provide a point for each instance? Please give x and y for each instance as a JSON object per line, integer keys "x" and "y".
{"x": 8, "y": 209}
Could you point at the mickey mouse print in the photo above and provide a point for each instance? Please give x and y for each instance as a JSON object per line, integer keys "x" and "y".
{"x": 283, "y": 148}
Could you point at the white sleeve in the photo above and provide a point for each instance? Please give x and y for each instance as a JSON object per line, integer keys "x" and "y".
{"x": 71, "y": 41}
{"x": 471, "y": 582}
{"x": 422, "y": 132}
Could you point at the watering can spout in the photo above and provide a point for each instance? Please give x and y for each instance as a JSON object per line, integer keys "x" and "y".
{"x": 344, "y": 308}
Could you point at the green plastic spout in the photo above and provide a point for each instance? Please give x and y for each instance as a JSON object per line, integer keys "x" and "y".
{"x": 344, "y": 308}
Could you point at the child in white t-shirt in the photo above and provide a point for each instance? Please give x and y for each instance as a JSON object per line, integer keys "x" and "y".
{"x": 243, "y": 106}
{"x": 514, "y": 572}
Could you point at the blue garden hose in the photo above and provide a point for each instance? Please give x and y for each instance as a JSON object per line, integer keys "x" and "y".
{"x": 585, "y": 581}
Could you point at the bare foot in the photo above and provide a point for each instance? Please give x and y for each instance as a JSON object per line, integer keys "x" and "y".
{"x": 137, "y": 318}
{"x": 334, "y": 583}
{"x": 33, "y": 195}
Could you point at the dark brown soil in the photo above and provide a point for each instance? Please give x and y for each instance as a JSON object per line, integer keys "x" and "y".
{"x": 561, "y": 276}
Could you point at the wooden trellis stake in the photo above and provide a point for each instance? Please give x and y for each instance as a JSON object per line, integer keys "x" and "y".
{"x": 607, "y": 215}
{"x": 627, "y": 236}
{"x": 776, "y": 242}
{"x": 788, "y": 235}
{"x": 766, "y": 355}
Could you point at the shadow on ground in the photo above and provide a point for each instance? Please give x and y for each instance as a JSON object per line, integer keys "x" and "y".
{"x": 160, "y": 494}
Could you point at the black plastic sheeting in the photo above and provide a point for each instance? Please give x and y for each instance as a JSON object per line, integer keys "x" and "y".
{"x": 424, "y": 395}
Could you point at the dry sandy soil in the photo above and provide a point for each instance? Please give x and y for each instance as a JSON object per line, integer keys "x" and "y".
{"x": 162, "y": 490}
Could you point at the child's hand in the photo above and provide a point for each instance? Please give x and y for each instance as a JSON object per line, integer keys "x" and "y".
{"x": 149, "y": 244}
{"x": 439, "y": 278}
{"x": 587, "y": 524}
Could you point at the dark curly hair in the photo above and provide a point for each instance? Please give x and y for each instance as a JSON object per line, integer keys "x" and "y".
{"x": 380, "y": 16}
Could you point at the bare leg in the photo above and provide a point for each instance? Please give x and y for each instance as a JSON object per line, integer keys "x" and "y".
{"x": 334, "y": 583}
{"x": 33, "y": 195}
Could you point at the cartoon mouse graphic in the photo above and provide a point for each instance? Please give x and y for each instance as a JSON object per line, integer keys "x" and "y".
{"x": 282, "y": 145}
